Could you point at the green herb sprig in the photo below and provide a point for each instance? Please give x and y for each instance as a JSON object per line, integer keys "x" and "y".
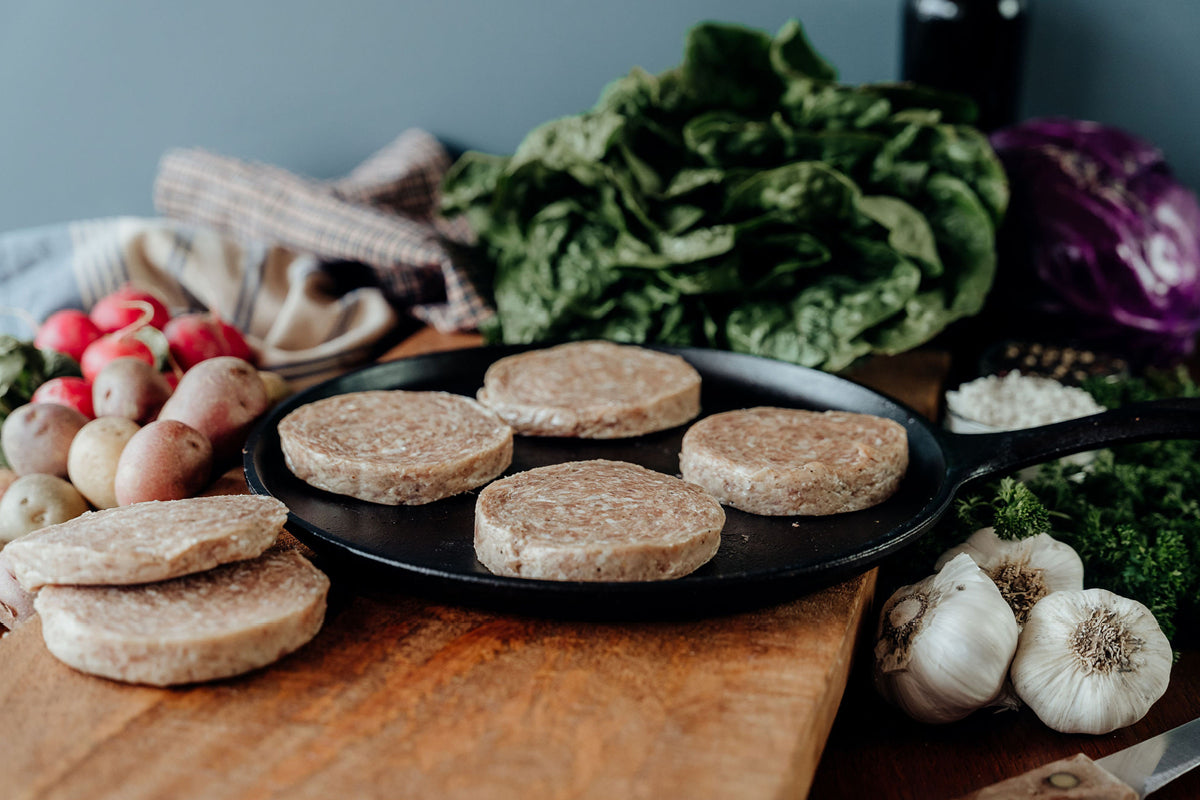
{"x": 1014, "y": 511}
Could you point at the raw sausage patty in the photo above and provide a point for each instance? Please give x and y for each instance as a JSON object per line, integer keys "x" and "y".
{"x": 595, "y": 521}
{"x": 785, "y": 462}
{"x": 395, "y": 447}
{"x": 149, "y": 541}
{"x": 592, "y": 390}
{"x": 199, "y": 627}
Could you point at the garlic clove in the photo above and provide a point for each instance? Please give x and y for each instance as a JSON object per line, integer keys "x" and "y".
{"x": 944, "y": 644}
{"x": 1090, "y": 661}
{"x": 1025, "y": 570}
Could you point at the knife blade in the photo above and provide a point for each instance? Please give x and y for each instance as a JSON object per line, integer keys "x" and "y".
{"x": 1154, "y": 763}
{"x": 1128, "y": 774}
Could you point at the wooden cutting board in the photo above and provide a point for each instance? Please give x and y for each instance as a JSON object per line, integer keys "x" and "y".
{"x": 401, "y": 697}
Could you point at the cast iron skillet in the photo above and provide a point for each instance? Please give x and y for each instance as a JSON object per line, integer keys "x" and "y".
{"x": 428, "y": 549}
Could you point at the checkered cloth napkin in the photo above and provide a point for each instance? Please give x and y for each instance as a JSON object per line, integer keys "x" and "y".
{"x": 382, "y": 215}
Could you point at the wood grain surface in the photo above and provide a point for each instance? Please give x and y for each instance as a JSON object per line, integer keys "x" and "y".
{"x": 401, "y": 697}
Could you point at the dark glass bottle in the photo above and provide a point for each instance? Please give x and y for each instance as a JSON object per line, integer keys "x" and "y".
{"x": 975, "y": 47}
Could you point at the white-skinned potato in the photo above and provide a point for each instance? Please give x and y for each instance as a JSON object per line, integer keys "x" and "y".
{"x": 129, "y": 387}
{"x": 165, "y": 460}
{"x": 220, "y": 397}
{"x": 36, "y": 438}
{"x": 94, "y": 455}
{"x": 35, "y": 501}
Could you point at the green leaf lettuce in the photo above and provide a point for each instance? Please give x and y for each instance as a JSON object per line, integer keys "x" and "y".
{"x": 746, "y": 200}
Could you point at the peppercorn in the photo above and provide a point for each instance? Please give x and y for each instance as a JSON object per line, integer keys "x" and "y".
{"x": 1064, "y": 363}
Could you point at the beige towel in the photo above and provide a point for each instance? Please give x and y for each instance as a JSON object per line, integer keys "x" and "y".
{"x": 285, "y": 303}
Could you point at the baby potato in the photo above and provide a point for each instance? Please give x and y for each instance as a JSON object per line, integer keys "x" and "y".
{"x": 165, "y": 460}
{"x": 220, "y": 397}
{"x": 36, "y": 438}
{"x": 36, "y": 501}
{"x": 129, "y": 387}
{"x": 93, "y": 457}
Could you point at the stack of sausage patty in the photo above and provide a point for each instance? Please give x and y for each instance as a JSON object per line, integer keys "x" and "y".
{"x": 596, "y": 520}
{"x": 170, "y": 592}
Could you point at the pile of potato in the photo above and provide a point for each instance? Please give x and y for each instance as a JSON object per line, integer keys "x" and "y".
{"x": 147, "y": 441}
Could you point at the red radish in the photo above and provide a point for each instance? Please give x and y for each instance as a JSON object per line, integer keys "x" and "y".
{"x": 126, "y": 306}
{"x": 111, "y": 346}
{"x": 68, "y": 331}
{"x": 238, "y": 346}
{"x": 199, "y": 336}
{"x": 68, "y": 391}
{"x": 193, "y": 338}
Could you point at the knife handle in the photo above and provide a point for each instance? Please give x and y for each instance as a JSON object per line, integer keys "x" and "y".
{"x": 1074, "y": 778}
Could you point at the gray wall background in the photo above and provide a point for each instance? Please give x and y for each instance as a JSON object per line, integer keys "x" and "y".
{"x": 92, "y": 92}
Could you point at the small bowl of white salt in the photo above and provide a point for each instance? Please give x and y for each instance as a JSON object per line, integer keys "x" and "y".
{"x": 1014, "y": 401}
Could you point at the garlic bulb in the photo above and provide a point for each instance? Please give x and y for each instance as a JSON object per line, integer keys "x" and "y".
{"x": 1025, "y": 570}
{"x": 944, "y": 644}
{"x": 1091, "y": 661}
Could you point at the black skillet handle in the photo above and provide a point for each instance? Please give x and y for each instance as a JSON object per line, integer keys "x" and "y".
{"x": 979, "y": 455}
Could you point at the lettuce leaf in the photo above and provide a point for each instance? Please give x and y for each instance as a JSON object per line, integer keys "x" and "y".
{"x": 746, "y": 200}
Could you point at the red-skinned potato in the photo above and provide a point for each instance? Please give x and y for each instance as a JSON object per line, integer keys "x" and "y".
{"x": 94, "y": 455}
{"x": 131, "y": 388}
{"x": 36, "y": 438}
{"x": 165, "y": 460}
{"x": 221, "y": 398}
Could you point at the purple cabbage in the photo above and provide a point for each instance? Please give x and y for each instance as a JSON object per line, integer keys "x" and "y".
{"x": 1102, "y": 237}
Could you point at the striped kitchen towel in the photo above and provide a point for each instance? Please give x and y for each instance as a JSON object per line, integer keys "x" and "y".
{"x": 382, "y": 215}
